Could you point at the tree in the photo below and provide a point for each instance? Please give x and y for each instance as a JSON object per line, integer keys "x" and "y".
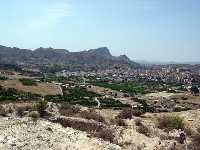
{"x": 194, "y": 90}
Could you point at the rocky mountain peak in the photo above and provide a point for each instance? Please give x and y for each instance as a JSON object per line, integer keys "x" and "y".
{"x": 102, "y": 51}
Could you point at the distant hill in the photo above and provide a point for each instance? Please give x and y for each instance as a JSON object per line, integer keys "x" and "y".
{"x": 58, "y": 59}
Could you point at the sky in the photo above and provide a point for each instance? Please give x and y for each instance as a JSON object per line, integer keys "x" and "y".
{"x": 151, "y": 30}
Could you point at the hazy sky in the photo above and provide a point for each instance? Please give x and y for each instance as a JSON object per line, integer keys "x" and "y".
{"x": 156, "y": 30}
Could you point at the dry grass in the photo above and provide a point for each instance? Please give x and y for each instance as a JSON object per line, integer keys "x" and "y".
{"x": 171, "y": 122}
{"x": 195, "y": 144}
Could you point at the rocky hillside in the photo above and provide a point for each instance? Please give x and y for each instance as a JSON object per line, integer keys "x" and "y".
{"x": 22, "y": 133}
{"x": 56, "y": 59}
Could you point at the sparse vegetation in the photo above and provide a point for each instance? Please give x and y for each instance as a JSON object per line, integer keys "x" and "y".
{"x": 171, "y": 122}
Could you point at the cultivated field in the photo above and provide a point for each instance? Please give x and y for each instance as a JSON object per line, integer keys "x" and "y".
{"x": 41, "y": 88}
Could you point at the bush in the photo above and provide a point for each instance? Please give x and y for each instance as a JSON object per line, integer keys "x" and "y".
{"x": 106, "y": 134}
{"x": 92, "y": 114}
{"x": 143, "y": 130}
{"x": 138, "y": 122}
{"x": 41, "y": 107}
{"x": 126, "y": 113}
{"x": 28, "y": 82}
{"x": 69, "y": 110}
{"x": 34, "y": 115}
{"x": 171, "y": 122}
{"x": 137, "y": 112}
{"x": 93, "y": 128}
{"x": 118, "y": 121}
{"x": 3, "y": 78}
{"x": 3, "y": 111}
{"x": 80, "y": 124}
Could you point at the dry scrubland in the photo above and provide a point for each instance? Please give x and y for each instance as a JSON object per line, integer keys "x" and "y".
{"x": 45, "y": 126}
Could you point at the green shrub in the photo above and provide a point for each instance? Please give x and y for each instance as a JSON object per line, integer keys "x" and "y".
{"x": 3, "y": 78}
{"x": 124, "y": 87}
{"x": 145, "y": 106}
{"x": 34, "y": 115}
{"x": 112, "y": 103}
{"x": 28, "y": 82}
{"x": 171, "y": 122}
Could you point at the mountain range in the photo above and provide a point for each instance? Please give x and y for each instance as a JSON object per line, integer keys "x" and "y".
{"x": 58, "y": 59}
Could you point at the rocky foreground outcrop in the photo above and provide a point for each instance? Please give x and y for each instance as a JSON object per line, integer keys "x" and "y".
{"x": 24, "y": 134}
